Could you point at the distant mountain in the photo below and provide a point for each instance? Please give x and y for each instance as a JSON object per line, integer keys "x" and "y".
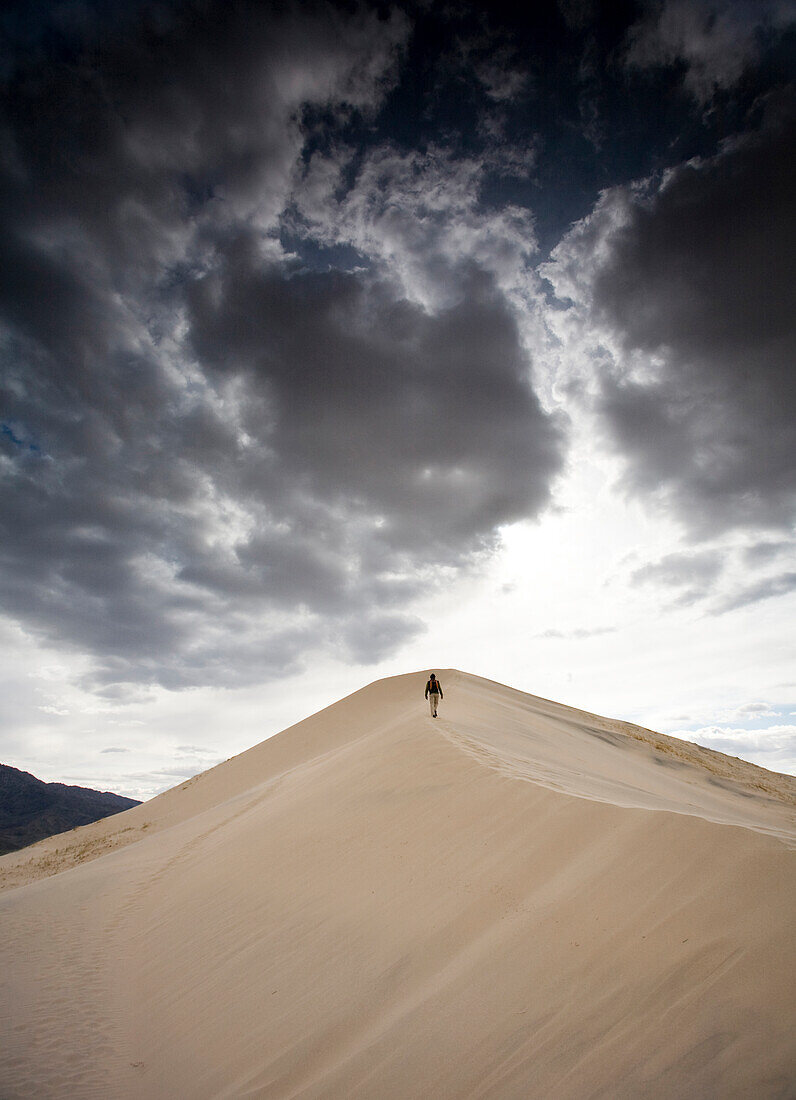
{"x": 31, "y": 810}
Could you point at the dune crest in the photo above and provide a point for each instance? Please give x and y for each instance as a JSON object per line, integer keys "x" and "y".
{"x": 515, "y": 900}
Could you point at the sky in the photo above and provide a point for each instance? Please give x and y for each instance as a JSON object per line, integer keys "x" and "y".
{"x": 345, "y": 340}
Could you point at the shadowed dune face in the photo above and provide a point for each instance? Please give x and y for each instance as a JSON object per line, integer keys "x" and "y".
{"x": 600, "y": 758}
{"x": 515, "y": 900}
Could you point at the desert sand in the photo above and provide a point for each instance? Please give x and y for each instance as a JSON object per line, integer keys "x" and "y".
{"x": 516, "y": 900}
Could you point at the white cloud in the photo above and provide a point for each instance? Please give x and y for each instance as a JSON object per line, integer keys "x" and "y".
{"x": 754, "y": 710}
{"x": 773, "y": 748}
{"x": 680, "y": 329}
{"x": 419, "y": 213}
{"x": 716, "y": 40}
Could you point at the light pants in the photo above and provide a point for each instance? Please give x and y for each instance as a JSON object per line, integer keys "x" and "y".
{"x": 433, "y": 699}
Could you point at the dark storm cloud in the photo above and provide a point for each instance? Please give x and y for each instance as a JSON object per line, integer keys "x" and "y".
{"x": 194, "y": 101}
{"x": 214, "y": 460}
{"x": 692, "y": 572}
{"x": 681, "y": 568}
{"x": 781, "y": 585}
{"x": 424, "y": 421}
{"x": 577, "y": 13}
{"x": 765, "y": 552}
{"x": 698, "y": 281}
{"x": 713, "y": 41}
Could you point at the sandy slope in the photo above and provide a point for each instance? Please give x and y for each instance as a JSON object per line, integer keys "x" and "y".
{"x": 515, "y": 900}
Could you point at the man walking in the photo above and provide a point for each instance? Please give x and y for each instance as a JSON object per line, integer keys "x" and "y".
{"x": 433, "y": 694}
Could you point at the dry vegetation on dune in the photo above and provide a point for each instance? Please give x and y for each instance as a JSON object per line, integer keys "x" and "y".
{"x": 72, "y": 848}
{"x": 739, "y": 772}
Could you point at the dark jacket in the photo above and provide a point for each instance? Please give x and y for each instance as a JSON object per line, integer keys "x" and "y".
{"x": 435, "y": 690}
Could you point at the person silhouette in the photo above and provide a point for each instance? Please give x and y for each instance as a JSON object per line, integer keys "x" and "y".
{"x": 433, "y": 694}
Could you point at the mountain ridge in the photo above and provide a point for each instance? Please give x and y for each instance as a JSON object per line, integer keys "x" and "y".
{"x": 32, "y": 809}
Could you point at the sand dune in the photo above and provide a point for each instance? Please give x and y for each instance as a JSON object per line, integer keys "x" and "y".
{"x": 515, "y": 900}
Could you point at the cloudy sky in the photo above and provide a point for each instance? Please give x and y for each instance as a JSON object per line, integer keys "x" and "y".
{"x": 341, "y": 340}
